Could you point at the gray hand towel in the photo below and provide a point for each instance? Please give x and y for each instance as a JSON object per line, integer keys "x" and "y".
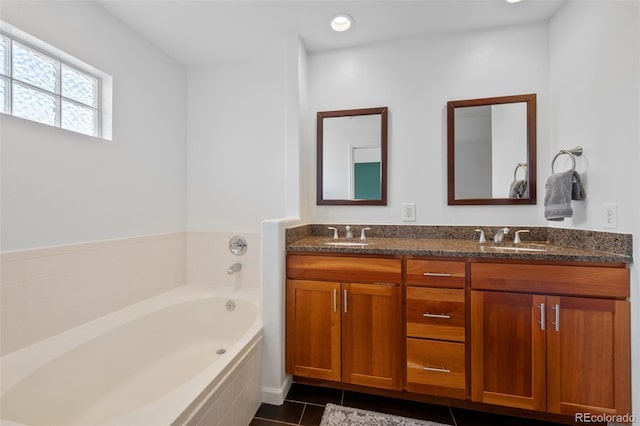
{"x": 577, "y": 189}
{"x": 518, "y": 189}
{"x": 557, "y": 199}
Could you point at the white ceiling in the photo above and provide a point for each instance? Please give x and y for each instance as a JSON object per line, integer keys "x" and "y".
{"x": 208, "y": 31}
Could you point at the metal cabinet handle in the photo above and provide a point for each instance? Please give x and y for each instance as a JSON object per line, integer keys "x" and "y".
{"x": 436, "y": 274}
{"x": 345, "y": 301}
{"x": 556, "y": 324}
{"x": 438, "y": 370}
{"x": 428, "y": 315}
{"x": 335, "y": 300}
{"x": 541, "y": 322}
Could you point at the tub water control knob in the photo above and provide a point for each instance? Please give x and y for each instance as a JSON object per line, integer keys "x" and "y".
{"x": 238, "y": 245}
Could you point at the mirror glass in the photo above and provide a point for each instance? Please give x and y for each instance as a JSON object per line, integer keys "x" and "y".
{"x": 491, "y": 149}
{"x": 352, "y": 151}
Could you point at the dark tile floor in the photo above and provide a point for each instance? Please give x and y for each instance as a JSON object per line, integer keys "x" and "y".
{"x": 305, "y": 404}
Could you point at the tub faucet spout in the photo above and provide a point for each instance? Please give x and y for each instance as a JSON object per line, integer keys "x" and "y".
{"x": 234, "y": 268}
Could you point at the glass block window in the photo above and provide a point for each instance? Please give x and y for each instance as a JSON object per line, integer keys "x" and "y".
{"x": 41, "y": 87}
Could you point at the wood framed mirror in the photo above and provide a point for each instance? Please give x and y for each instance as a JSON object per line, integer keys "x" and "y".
{"x": 491, "y": 150}
{"x": 352, "y": 157}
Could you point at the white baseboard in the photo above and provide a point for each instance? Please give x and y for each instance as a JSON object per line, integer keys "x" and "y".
{"x": 276, "y": 396}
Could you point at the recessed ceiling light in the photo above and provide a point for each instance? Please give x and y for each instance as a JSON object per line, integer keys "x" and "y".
{"x": 341, "y": 22}
{"x": 514, "y": 1}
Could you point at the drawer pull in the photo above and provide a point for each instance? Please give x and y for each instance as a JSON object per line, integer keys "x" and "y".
{"x": 428, "y": 315}
{"x": 437, "y": 370}
{"x": 436, "y": 274}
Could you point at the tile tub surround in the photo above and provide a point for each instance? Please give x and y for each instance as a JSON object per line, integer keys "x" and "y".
{"x": 46, "y": 291}
{"x": 235, "y": 400}
{"x": 208, "y": 258}
{"x": 461, "y": 241}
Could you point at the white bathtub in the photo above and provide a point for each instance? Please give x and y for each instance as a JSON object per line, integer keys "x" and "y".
{"x": 152, "y": 363}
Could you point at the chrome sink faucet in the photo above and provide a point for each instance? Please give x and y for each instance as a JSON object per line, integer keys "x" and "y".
{"x": 517, "y": 239}
{"x": 499, "y": 236}
{"x": 349, "y": 233}
{"x": 363, "y": 237}
{"x": 335, "y": 232}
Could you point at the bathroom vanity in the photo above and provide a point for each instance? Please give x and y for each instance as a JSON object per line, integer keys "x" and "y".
{"x": 344, "y": 319}
{"x": 551, "y": 337}
{"x": 447, "y": 320}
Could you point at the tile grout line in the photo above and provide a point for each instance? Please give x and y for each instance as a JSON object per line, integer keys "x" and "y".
{"x": 304, "y": 402}
{"x": 273, "y": 421}
{"x": 304, "y": 408}
{"x": 455, "y": 423}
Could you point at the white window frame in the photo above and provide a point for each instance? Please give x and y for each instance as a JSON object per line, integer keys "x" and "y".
{"x": 102, "y": 107}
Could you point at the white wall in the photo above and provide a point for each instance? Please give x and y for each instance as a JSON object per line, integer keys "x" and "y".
{"x": 415, "y": 79}
{"x": 236, "y": 145}
{"x": 59, "y": 187}
{"x": 295, "y": 109}
{"x": 595, "y": 102}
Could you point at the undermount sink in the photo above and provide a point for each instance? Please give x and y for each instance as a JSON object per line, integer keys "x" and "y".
{"x": 518, "y": 249}
{"x": 347, "y": 244}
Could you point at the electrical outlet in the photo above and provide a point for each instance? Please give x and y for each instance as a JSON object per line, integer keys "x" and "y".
{"x": 408, "y": 212}
{"x": 610, "y": 212}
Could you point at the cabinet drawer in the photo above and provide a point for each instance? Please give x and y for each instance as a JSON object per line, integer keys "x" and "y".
{"x": 598, "y": 281}
{"x": 436, "y": 273}
{"x": 436, "y": 367}
{"x": 345, "y": 268}
{"x": 437, "y": 313}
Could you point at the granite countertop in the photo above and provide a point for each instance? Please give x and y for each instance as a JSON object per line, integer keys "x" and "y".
{"x": 458, "y": 248}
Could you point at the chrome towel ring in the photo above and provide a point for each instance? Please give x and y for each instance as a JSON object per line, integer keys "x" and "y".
{"x": 573, "y": 153}
{"x": 523, "y": 166}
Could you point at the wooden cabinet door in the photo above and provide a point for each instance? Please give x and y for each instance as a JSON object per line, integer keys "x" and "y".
{"x": 588, "y": 363}
{"x": 372, "y": 347}
{"x": 313, "y": 329}
{"x": 508, "y": 365}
